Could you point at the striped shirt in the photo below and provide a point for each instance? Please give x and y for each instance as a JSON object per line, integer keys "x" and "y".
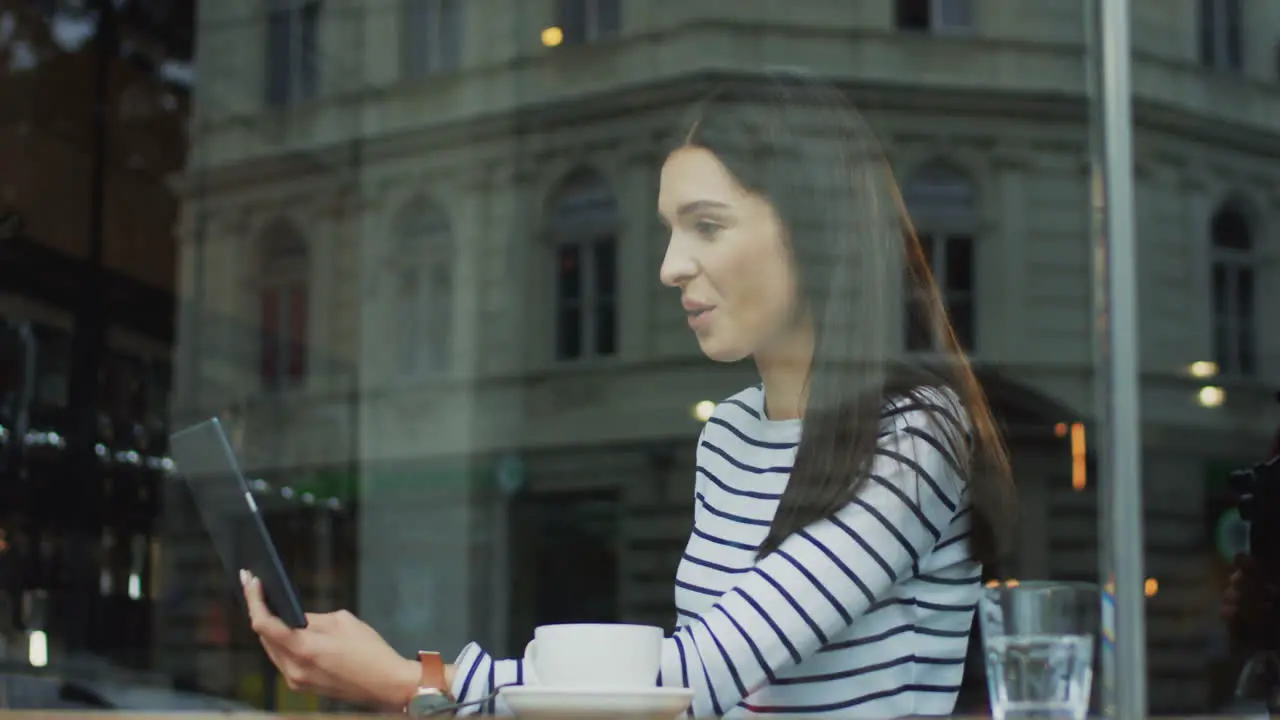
{"x": 864, "y": 614}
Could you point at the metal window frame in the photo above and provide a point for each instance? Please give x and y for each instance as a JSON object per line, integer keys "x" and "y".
{"x": 1109, "y": 58}
{"x": 421, "y": 248}
{"x": 1230, "y": 318}
{"x": 433, "y": 59}
{"x": 939, "y": 266}
{"x": 588, "y": 304}
{"x": 1221, "y": 53}
{"x": 295, "y": 86}
{"x": 937, "y": 26}
{"x": 285, "y": 311}
{"x": 591, "y": 32}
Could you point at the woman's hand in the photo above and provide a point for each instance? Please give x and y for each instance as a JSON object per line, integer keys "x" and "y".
{"x": 336, "y": 655}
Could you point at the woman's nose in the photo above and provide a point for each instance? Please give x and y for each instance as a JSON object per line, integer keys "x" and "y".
{"x": 677, "y": 267}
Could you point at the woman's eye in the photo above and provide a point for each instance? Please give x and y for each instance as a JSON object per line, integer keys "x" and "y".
{"x": 706, "y": 228}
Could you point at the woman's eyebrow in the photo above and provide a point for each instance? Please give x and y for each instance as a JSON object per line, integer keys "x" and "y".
{"x": 690, "y": 208}
{"x": 694, "y": 207}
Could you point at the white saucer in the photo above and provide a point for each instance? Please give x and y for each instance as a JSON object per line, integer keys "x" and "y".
{"x": 532, "y": 701}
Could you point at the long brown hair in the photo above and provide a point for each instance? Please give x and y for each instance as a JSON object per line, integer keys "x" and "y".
{"x": 800, "y": 143}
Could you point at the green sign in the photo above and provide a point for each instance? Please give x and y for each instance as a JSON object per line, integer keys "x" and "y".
{"x": 347, "y": 484}
{"x": 1231, "y": 537}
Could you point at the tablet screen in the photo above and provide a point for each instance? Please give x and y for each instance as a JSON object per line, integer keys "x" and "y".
{"x": 227, "y": 507}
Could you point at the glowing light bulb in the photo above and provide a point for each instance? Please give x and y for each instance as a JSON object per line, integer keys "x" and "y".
{"x": 1203, "y": 369}
{"x": 1211, "y": 396}
{"x": 703, "y": 410}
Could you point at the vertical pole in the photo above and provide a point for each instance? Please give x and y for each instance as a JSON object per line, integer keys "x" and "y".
{"x": 1105, "y": 677}
{"x": 88, "y": 348}
{"x": 500, "y": 559}
{"x": 194, "y": 309}
{"x": 1124, "y": 681}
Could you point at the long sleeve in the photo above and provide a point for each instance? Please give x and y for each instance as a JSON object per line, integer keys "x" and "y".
{"x": 477, "y": 674}
{"x": 823, "y": 577}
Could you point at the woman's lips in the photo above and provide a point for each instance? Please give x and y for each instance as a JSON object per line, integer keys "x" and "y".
{"x": 700, "y": 319}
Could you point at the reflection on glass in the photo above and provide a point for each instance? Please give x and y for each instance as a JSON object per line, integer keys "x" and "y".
{"x": 1221, "y": 34}
{"x": 588, "y": 21}
{"x": 411, "y": 239}
{"x": 292, "y": 66}
{"x": 1039, "y": 640}
{"x": 432, "y": 34}
{"x": 933, "y": 15}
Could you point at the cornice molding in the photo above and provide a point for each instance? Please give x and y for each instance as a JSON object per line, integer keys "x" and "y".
{"x": 324, "y": 163}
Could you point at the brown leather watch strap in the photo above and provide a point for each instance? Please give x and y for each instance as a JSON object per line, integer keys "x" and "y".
{"x": 432, "y": 671}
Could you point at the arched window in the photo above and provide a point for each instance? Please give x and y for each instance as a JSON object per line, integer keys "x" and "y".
{"x": 943, "y": 203}
{"x": 284, "y": 299}
{"x": 1232, "y": 291}
{"x": 584, "y": 227}
{"x": 422, "y": 263}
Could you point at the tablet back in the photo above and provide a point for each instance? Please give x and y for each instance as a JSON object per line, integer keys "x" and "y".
{"x": 206, "y": 459}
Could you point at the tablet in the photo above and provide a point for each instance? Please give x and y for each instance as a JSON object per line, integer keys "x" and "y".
{"x": 205, "y": 458}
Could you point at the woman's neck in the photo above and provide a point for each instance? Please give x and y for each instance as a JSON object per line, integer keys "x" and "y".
{"x": 784, "y": 370}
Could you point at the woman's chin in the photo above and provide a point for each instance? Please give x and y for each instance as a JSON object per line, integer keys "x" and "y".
{"x": 719, "y": 351}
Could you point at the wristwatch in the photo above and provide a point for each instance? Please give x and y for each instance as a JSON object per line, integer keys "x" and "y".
{"x": 431, "y": 696}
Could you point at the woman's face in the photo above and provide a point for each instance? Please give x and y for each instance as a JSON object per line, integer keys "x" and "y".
{"x": 728, "y": 255}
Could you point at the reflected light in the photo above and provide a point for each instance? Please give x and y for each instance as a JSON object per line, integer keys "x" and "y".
{"x": 552, "y": 36}
{"x": 1151, "y": 587}
{"x": 1211, "y": 396}
{"x": 37, "y": 648}
{"x": 702, "y": 410}
{"x": 1011, "y": 582}
{"x": 1079, "y": 458}
{"x": 135, "y": 586}
{"x": 1203, "y": 369}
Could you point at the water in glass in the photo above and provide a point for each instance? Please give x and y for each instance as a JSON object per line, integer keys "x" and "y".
{"x": 1038, "y": 638}
{"x": 1040, "y": 676}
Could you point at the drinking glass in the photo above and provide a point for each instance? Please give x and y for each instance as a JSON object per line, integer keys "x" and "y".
{"x": 1038, "y": 638}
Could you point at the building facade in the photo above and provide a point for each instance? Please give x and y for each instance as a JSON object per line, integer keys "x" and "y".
{"x": 92, "y": 557}
{"x": 438, "y": 219}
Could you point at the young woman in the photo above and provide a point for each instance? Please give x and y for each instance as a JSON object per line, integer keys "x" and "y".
{"x": 844, "y": 506}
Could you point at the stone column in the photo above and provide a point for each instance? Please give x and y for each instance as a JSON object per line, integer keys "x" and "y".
{"x": 415, "y": 570}
{"x": 1001, "y": 300}
{"x": 1198, "y": 212}
{"x": 477, "y": 241}
{"x": 640, "y": 232}
{"x": 417, "y": 518}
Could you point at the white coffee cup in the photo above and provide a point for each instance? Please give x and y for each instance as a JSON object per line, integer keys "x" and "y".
{"x": 596, "y": 655}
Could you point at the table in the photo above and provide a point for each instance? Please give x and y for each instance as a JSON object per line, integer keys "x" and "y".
{"x": 158, "y": 715}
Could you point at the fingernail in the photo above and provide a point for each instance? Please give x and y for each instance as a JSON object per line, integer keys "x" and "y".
{"x": 244, "y": 577}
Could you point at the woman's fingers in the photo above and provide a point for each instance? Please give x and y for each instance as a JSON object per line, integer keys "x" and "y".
{"x": 298, "y": 670}
{"x": 1232, "y": 593}
{"x": 288, "y": 649}
{"x": 276, "y": 656}
{"x": 269, "y": 627}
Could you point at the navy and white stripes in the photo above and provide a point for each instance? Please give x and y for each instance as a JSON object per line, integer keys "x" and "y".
{"x": 867, "y": 613}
